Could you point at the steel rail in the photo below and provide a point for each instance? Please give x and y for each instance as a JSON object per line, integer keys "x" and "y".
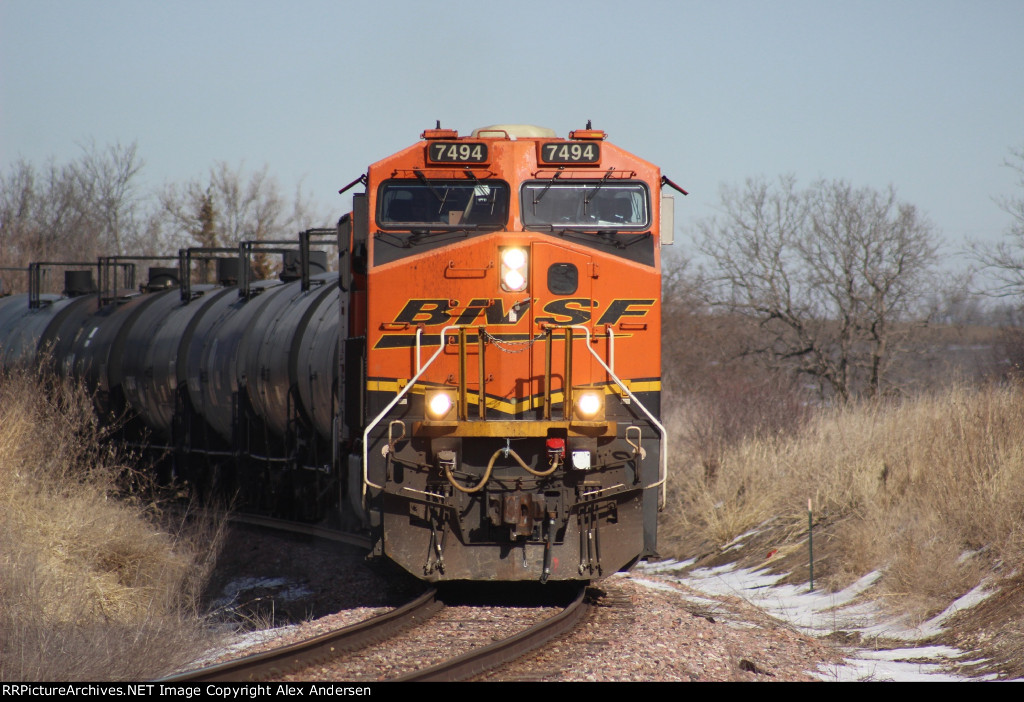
{"x": 285, "y": 659}
{"x": 500, "y": 652}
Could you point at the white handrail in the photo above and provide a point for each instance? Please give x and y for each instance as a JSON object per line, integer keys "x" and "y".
{"x": 402, "y": 393}
{"x": 663, "y": 467}
{"x": 419, "y": 335}
{"x": 663, "y": 463}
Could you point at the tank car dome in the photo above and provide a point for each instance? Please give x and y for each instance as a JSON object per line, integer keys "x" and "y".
{"x": 161, "y": 278}
{"x": 78, "y": 283}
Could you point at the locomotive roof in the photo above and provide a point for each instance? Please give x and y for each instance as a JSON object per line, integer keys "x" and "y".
{"x": 520, "y": 131}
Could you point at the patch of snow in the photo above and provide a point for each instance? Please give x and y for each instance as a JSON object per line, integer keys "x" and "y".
{"x": 821, "y": 613}
{"x": 738, "y": 541}
{"x": 979, "y": 594}
{"x": 254, "y": 638}
{"x": 667, "y": 566}
{"x": 231, "y": 591}
{"x": 730, "y": 580}
{"x": 875, "y": 669}
{"x": 656, "y": 585}
{"x": 253, "y": 583}
{"x": 241, "y": 642}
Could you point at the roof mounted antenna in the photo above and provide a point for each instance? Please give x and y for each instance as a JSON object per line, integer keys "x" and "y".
{"x": 438, "y": 124}
{"x": 588, "y": 124}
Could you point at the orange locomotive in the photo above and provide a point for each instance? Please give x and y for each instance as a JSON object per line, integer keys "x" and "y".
{"x": 501, "y": 379}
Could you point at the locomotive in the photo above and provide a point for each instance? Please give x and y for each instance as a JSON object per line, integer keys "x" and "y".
{"x": 477, "y": 385}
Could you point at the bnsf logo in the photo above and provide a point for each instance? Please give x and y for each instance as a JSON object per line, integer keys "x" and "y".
{"x": 562, "y": 312}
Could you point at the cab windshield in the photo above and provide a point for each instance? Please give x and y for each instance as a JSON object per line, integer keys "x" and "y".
{"x": 586, "y": 204}
{"x": 442, "y": 204}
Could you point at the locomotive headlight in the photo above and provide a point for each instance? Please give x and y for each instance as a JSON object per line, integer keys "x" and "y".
{"x": 589, "y": 404}
{"x": 439, "y": 404}
{"x": 513, "y": 269}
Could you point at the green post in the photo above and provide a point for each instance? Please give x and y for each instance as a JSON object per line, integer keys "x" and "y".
{"x": 810, "y": 540}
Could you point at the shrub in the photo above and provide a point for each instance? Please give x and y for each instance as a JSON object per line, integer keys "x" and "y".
{"x": 924, "y": 489}
{"x": 95, "y": 583}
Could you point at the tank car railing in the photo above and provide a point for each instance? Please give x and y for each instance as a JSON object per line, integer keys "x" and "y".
{"x": 196, "y": 253}
{"x": 246, "y": 252}
{"x": 247, "y": 249}
{"x": 36, "y": 272}
{"x": 109, "y": 282}
{"x": 305, "y": 242}
{"x": 109, "y": 265}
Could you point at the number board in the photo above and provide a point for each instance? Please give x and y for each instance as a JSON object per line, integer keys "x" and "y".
{"x": 456, "y": 152}
{"x": 570, "y": 152}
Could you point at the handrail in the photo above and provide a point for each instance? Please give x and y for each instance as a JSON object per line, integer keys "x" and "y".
{"x": 663, "y": 463}
{"x": 402, "y": 393}
{"x": 36, "y": 271}
{"x": 663, "y": 467}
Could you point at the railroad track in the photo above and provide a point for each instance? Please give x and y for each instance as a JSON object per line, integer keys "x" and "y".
{"x": 491, "y": 656}
{"x": 357, "y": 651}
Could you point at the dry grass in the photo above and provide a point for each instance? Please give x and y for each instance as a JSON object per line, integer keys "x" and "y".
{"x": 926, "y": 490}
{"x": 95, "y": 583}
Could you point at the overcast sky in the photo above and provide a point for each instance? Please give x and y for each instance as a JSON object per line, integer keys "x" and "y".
{"x": 925, "y": 95}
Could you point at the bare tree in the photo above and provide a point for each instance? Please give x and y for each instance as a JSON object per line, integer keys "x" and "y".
{"x": 720, "y": 394}
{"x": 80, "y": 209}
{"x": 107, "y": 180}
{"x": 231, "y": 205}
{"x": 93, "y": 206}
{"x": 1004, "y": 261}
{"x": 826, "y": 272}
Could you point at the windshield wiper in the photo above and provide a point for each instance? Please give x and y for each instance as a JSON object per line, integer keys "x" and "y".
{"x": 423, "y": 179}
{"x": 588, "y": 198}
{"x": 556, "y": 176}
